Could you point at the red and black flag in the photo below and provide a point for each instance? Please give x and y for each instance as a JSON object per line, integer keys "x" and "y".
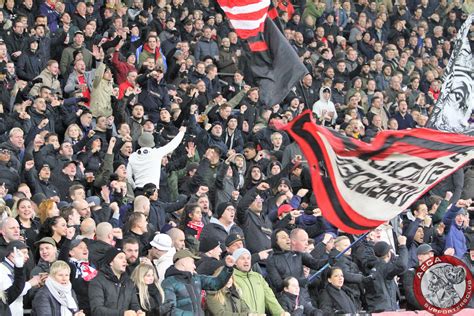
{"x": 272, "y": 63}
{"x": 359, "y": 186}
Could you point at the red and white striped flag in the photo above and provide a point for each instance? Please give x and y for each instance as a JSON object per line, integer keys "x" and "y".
{"x": 359, "y": 186}
{"x": 272, "y": 63}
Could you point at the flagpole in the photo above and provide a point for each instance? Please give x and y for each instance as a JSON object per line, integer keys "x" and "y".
{"x": 315, "y": 275}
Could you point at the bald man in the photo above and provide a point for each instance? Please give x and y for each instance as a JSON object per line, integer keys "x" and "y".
{"x": 177, "y": 237}
{"x": 106, "y": 238}
{"x": 88, "y": 228}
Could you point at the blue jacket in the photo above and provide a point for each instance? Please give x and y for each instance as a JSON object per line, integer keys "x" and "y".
{"x": 455, "y": 234}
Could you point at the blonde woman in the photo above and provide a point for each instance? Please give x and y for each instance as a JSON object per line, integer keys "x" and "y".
{"x": 150, "y": 294}
{"x": 226, "y": 301}
{"x": 73, "y": 134}
{"x": 57, "y": 296}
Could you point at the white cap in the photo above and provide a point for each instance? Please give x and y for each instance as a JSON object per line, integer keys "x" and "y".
{"x": 162, "y": 242}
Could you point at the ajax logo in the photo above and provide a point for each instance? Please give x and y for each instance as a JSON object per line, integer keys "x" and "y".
{"x": 443, "y": 285}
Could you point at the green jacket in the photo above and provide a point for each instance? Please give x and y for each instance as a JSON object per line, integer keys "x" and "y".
{"x": 183, "y": 290}
{"x": 312, "y": 10}
{"x": 256, "y": 293}
{"x": 233, "y": 304}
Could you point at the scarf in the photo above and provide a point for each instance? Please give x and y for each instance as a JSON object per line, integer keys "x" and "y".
{"x": 84, "y": 270}
{"x": 156, "y": 52}
{"x": 197, "y": 226}
{"x": 62, "y": 294}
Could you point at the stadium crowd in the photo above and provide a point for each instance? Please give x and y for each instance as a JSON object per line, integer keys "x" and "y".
{"x": 141, "y": 174}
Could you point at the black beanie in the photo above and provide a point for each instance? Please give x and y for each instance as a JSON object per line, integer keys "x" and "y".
{"x": 209, "y": 245}
{"x": 221, "y": 208}
{"x": 110, "y": 255}
{"x": 381, "y": 248}
{"x": 286, "y": 181}
{"x": 117, "y": 164}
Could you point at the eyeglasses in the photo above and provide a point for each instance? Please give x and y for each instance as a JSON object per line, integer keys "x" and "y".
{"x": 5, "y": 151}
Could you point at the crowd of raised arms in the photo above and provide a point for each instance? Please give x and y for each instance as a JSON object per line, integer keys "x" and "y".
{"x": 141, "y": 173}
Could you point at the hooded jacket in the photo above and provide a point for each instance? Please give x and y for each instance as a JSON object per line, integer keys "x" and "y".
{"x": 109, "y": 295}
{"x": 144, "y": 165}
{"x": 183, "y": 289}
{"x": 256, "y": 293}
{"x": 153, "y": 97}
{"x": 323, "y": 105}
{"x": 49, "y": 80}
{"x": 30, "y": 64}
{"x": 455, "y": 234}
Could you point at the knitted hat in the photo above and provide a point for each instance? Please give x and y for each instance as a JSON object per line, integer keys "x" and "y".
{"x": 110, "y": 255}
{"x": 146, "y": 140}
{"x": 209, "y": 245}
{"x": 239, "y": 252}
{"x": 221, "y": 208}
{"x": 381, "y": 248}
{"x": 285, "y": 181}
{"x": 423, "y": 248}
{"x": 117, "y": 164}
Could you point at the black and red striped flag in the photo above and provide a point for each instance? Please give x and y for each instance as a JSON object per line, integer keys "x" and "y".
{"x": 359, "y": 186}
{"x": 274, "y": 66}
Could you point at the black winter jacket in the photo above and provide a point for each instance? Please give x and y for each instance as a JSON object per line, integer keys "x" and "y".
{"x": 109, "y": 296}
{"x": 333, "y": 300}
{"x": 215, "y": 231}
{"x": 257, "y": 227}
{"x": 352, "y": 276}
{"x": 30, "y": 65}
{"x": 283, "y": 264}
{"x": 97, "y": 250}
{"x": 381, "y": 294}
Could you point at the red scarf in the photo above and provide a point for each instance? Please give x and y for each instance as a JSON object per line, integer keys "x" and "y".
{"x": 156, "y": 52}
{"x": 197, "y": 226}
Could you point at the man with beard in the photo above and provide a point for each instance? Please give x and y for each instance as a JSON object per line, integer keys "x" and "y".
{"x": 131, "y": 250}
